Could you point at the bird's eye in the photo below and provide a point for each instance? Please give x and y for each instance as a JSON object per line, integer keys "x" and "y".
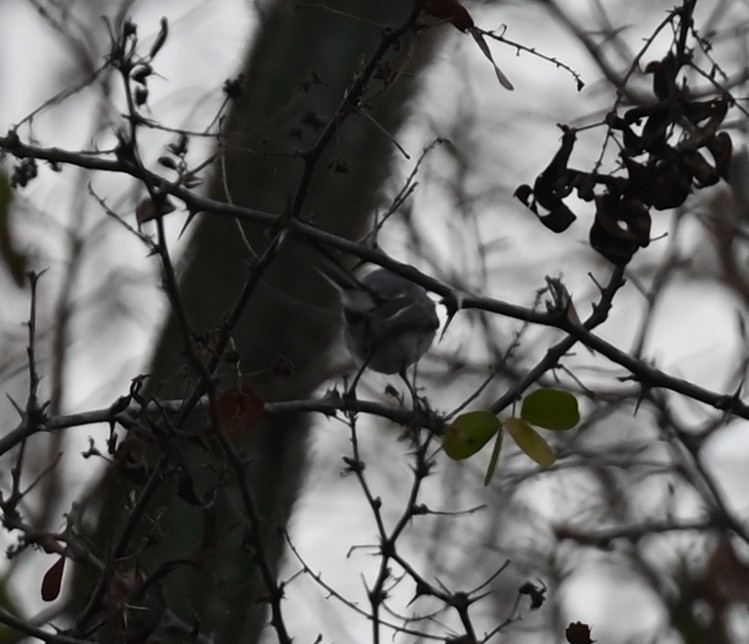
{"x": 353, "y": 318}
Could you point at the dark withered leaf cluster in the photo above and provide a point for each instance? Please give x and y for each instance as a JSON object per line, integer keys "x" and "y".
{"x": 667, "y": 148}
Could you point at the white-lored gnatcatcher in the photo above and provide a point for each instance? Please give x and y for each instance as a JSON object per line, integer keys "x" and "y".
{"x": 389, "y": 322}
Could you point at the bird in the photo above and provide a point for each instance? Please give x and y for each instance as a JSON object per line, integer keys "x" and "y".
{"x": 389, "y": 322}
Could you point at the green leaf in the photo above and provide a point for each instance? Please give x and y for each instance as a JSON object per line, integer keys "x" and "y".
{"x": 495, "y": 457}
{"x": 530, "y": 441}
{"x": 14, "y": 260}
{"x": 468, "y": 433}
{"x": 551, "y": 409}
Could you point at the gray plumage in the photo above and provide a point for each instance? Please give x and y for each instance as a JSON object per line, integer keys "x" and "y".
{"x": 388, "y": 321}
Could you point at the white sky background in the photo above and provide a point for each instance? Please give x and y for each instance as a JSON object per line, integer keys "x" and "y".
{"x": 694, "y": 334}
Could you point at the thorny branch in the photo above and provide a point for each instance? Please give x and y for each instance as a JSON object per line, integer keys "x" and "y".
{"x": 164, "y": 421}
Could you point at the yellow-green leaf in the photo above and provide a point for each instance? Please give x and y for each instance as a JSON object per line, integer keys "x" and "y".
{"x": 494, "y": 458}
{"x": 468, "y": 433}
{"x": 530, "y": 441}
{"x": 551, "y": 409}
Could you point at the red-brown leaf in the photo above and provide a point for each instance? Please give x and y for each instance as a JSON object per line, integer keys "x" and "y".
{"x": 503, "y": 80}
{"x": 52, "y": 581}
{"x": 239, "y": 408}
{"x": 450, "y": 10}
{"x": 578, "y": 633}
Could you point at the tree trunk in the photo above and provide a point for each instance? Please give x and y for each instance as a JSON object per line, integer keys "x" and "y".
{"x": 301, "y": 61}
